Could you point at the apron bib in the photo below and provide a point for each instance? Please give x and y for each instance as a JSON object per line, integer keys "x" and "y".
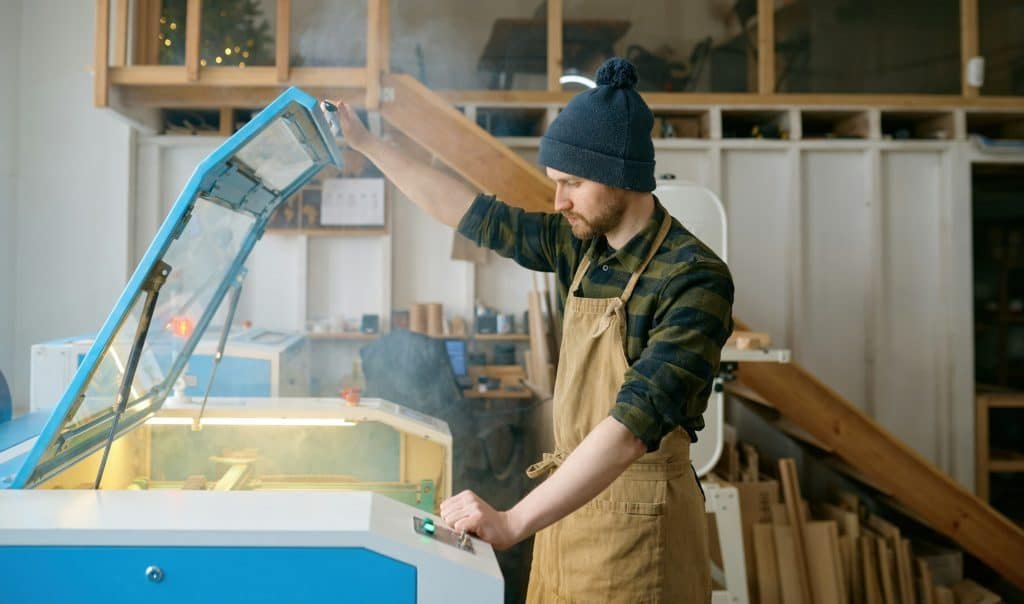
{"x": 644, "y": 538}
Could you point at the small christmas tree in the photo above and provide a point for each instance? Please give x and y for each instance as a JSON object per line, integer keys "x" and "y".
{"x": 234, "y": 32}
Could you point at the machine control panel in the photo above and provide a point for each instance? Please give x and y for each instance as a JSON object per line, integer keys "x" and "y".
{"x": 428, "y": 528}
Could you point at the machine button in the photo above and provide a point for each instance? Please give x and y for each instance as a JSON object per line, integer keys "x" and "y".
{"x": 154, "y": 574}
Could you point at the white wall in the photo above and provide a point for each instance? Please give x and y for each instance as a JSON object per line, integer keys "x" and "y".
{"x": 10, "y": 37}
{"x": 843, "y": 254}
{"x": 72, "y": 190}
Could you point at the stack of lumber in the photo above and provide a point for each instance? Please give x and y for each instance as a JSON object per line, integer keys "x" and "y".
{"x": 749, "y": 340}
{"x": 833, "y": 552}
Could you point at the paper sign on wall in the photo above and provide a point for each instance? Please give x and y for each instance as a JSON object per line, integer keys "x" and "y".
{"x": 352, "y": 202}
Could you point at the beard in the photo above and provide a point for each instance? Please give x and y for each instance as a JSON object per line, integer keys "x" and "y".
{"x": 607, "y": 217}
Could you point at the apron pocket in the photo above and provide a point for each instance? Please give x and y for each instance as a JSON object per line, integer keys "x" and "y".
{"x": 632, "y": 496}
{"x": 636, "y": 508}
{"x": 612, "y": 549}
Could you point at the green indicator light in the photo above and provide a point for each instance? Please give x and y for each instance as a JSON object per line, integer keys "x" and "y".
{"x": 428, "y": 526}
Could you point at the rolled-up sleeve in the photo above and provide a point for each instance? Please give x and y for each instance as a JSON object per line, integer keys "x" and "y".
{"x": 669, "y": 384}
{"x": 530, "y": 238}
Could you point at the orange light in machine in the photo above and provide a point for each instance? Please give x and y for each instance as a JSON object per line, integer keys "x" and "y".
{"x": 181, "y": 326}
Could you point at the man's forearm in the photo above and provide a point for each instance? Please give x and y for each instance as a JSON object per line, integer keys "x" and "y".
{"x": 442, "y": 196}
{"x": 603, "y": 455}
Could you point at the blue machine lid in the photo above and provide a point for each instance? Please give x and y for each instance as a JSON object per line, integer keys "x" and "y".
{"x": 205, "y": 240}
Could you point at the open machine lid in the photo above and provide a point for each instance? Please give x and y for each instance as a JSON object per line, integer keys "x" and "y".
{"x": 196, "y": 256}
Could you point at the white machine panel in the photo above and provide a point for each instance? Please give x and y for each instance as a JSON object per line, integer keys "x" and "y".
{"x": 173, "y": 519}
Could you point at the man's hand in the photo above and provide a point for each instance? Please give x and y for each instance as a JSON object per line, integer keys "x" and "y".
{"x": 352, "y": 128}
{"x": 467, "y": 512}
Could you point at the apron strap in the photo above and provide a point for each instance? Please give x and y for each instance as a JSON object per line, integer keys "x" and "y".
{"x": 580, "y": 272}
{"x": 666, "y": 224}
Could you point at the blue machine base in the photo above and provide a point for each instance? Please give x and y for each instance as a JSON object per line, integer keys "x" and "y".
{"x": 116, "y": 575}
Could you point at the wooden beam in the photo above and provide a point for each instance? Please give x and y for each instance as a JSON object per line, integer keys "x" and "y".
{"x": 373, "y": 71}
{"x": 121, "y": 33}
{"x": 227, "y": 121}
{"x": 139, "y": 31}
{"x": 883, "y": 459}
{"x": 146, "y": 75}
{"x": 981, "y": 447}
{"x": 147, "y": 29}
{"x": 473, "y": 153}
{"x": 676, "y": 100}
{"x": 282, "y": 43}
{"x": 385, "y": 36}
{"x": 554, "y": 45}
{"x": 765, "y": 46}
{"x": 221, "y": 77}
{"x": 193, "y": 32}
{"x": 101, "y": 81}
{"x": 203, "y": 96}
{"x": 968, "y": 42}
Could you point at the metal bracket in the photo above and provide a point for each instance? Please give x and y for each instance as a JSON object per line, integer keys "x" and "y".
{"x": 154, "y": 282}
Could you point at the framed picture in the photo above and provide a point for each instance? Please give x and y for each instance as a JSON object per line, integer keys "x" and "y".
{"x": 352, "y": 202}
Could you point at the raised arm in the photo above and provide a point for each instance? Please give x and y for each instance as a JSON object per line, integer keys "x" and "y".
{"x": 439, "y": 194}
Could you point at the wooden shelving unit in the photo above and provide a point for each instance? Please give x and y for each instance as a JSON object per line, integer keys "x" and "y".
{"x": 134, "y": 82}
{"x": 988, "y": 460}
{"x": 354, "y": 336}
{"x": 491, "y": 394}
{"x": 501, "y": 337}
{"x": 328, "y": 232}
{"x": 919, "y": 125}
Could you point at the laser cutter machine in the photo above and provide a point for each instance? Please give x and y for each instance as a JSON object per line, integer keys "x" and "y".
{"x": 122, "y": 491}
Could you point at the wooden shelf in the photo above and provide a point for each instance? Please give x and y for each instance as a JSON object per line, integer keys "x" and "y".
{"x": 354, "y": 336}
{"x": 502, "y": 337}
{"x": 918, "y": 125}
{"x": 681, "y": 124}
{"x": 835, "y": 124}
{"x": 520, "y": 394}
{"x": 1006, "y": 465}
{"x": 759, "y": 124}
{"x": 324, "y": 232}
{"x": 1004, "y": 400}
{"x": 1003, "y": 125}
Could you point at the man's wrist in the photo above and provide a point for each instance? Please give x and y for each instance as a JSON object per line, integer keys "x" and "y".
{"x": 518, "y": 523}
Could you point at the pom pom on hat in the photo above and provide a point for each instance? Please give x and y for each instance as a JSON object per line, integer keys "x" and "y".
{"x": 617, "y": 73}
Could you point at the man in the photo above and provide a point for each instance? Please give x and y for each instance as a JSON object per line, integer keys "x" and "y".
{"x": 620, "y": 517}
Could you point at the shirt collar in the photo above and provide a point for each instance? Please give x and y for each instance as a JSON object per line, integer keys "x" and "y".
{"x": 632, "y": 255}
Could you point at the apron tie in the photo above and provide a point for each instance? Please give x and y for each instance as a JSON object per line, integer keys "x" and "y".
{"x": 549, "y": 462}
{"x": 606, "y": 320}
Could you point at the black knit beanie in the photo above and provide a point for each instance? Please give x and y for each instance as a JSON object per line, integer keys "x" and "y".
{"x": 604, "y": 134}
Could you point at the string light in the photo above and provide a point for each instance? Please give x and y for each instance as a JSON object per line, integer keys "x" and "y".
{"x": 241, "y": 64}
{"x": 167, "y": 42}
{"x": 202, "y": 62}
{"x": 245, "y": 55}
{"x": 174, "y": 26}
{"x": 218, "y": 60}
{"x": 227, "y": 51}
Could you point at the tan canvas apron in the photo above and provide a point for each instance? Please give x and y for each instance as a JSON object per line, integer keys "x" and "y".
{"x": 644, "y": 538}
